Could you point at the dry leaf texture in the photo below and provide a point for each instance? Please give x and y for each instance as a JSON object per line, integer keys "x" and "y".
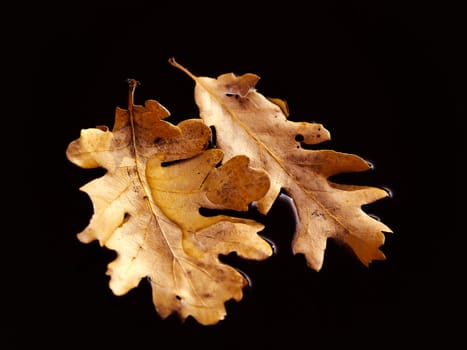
{"x": 246, "y": 122}
{"x": 146, "y": 208}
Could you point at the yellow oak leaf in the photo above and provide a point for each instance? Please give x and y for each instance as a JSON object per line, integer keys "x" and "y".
{"x": 246, "y": 122}
{"x": 146, "y": 209}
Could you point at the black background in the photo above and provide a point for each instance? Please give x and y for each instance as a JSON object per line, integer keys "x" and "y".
{"x": 381, "y": 78}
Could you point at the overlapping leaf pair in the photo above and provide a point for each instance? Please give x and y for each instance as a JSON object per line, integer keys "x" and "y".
{"x": 159, "y": 175}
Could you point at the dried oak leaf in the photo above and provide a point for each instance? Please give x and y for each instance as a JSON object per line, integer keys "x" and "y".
{"x": 146, "y": 208}
{"x": 246, "y": 122}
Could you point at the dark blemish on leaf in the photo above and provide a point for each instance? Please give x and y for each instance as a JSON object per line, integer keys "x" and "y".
{"x": 317, "y": 213}
{"x": 299, "y": 138}
{"x": 126, "y": 217}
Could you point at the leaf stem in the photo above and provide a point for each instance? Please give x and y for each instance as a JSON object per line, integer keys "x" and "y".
{"x": 132, "y": 83}
{"x": 182, "y": 68}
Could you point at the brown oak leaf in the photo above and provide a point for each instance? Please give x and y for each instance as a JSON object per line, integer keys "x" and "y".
{"x": 246, "y": 122}
{"x": 146, "y": 208}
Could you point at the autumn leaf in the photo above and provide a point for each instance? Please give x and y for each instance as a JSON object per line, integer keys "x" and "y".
{"x": 246, "y": 122}
{"x": 146, "y": 208}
